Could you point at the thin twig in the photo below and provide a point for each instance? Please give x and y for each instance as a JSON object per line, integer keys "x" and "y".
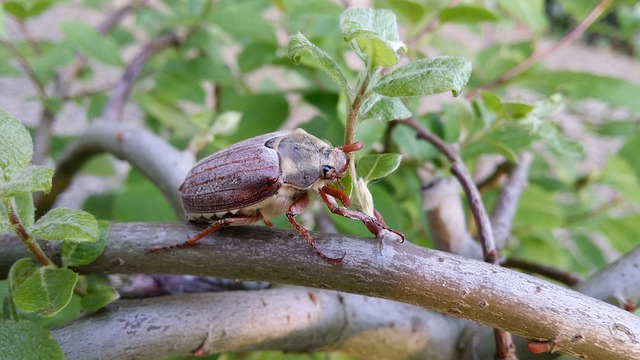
{"x": 114, "y": 108}
{"x": 27, "y": 239}
{"x": 564, "y": 277}
{"x": 505, "y": 349}
{"x": 460, "y": 171}
{"x": 507, "y": 203}
{"x": 433, "y": 23}
{"x": 540, "y": 55}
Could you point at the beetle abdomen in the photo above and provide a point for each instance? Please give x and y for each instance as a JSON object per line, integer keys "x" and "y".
{"x": 233, "y": 178}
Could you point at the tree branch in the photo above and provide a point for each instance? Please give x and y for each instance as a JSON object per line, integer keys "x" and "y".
{"x": 119, "y": 95}
{"x": 291, "y": 319}
{"x": 618, "y": 283}
{"x": 508, "y": 200}
{"x": 459, "y": 170}
{"x": 153, "y": 156}
{"x": 526, "y": 306}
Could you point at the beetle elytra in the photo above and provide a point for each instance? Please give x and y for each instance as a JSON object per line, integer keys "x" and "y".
{"x": 269, "y": 175}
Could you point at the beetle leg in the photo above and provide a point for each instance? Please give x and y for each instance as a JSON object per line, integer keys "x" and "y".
{"x": 337, "y": 193}
{"x": 230, "y": 221}
{"x": 295, "y": 209}
{"x": 352, "y": 147}
{"x": 374, "y": 225}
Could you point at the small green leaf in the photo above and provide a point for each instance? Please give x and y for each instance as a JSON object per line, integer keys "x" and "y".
{"x": 619, "y": 174}
{"x": 382, "y": 108}
{"x": 29, "y": 179}
{"x": 426, "y": 76}
{"x": 375, "y": 33}
{"x": 16, "y": 147}
{"x": 77, "y": 254}
{"x": 299, "y": 44}
{"x": 514, "y": 110}
{"x": 46, "y": 291}
{"x": 492, "y": 102}
{"x": 538, "y": 208}
{"x": 529, "y": 12}
{"x": 25, "y": 9}
{"x": 20, "y": 271}
{"x": 583, "y": 85}
{"x": 91, "y": 43}
{"x": 26, "y": 340}
{"x": 66, "y": 225}
{"x": 466, "y": 14}
{"x": 24, "y": 208}
{"x": 99, "y": 293}
{"x": 373, "y": 167}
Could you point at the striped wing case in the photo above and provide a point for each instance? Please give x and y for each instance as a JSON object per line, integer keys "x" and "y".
{"x": 232, "y": 178}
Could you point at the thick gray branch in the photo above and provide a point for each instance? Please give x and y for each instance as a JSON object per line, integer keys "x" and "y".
{"x": 289, "y": 318}
{"x": 529, "y": 307}
{"x": 618, "y": 283}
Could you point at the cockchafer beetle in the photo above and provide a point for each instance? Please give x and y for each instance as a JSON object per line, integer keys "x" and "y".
{"x": 269, "y": 175}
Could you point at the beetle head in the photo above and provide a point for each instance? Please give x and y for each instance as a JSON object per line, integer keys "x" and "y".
{"x": 334, "y": 164}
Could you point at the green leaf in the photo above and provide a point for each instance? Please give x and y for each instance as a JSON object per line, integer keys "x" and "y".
{"x": 26, "y": 9}
{"x": 20, "y": 271}
{"x": 583, "y": 85}
{"x": 492, "y": 102}
{"x": 77, "y": 254}
{"x": 141, "y": 200}
{"x": 411, "y": 10}
{"x": 382, "y": 108}
{"x": 24, "y": 208}
{"x": 46, "y": 291}
{"x": 29, "y": 179}
{"x": 299, "y": 44}
{"x": 99, "y": 293}
{"x": 63, "y": 224}
{"x": 619, "y": 174}
{"x": 375, "y": 34}
{"x": 256, "y": 55}
{"x": 466, "y": 14}
{"x": 91, "y": 43}
{"x": 426, "y": 76}
{"x": 538, "y": 208}
{"x": 622, "y": 232}
{"x": 529, "y": 12}
{"x": 619, "y": 128}
{"x": 373, "y": 167}
{"x": 26, "y": 340}
{"x": 235, "y": 16}
{"x": 16, "y": 147}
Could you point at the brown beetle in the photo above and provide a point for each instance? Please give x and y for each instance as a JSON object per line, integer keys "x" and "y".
{"x": 269, "y": 175}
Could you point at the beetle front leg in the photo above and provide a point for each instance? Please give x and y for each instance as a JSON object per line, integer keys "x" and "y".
{"x": 295, "y": 209}
{"x": 375, "y": 225}
{"x": 231, "y": 221}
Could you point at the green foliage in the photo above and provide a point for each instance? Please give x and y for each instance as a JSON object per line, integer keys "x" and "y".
{"x": 17, "y": 341}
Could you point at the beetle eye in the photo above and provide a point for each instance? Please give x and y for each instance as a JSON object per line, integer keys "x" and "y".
{"x": 327, "y": 170}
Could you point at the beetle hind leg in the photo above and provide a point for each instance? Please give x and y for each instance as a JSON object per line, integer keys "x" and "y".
{"x": 230, "y": 221}
{"x": 295, "y": 209}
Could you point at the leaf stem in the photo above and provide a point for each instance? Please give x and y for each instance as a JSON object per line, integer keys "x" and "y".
{"x": 26, "y": 238}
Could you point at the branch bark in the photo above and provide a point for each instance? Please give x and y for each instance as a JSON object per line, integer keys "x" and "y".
{"x": 291, "y": 319}
{"x": 571, "y": 323}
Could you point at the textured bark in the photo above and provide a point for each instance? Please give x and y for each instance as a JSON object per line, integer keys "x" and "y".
{"x": 529, "y": 307}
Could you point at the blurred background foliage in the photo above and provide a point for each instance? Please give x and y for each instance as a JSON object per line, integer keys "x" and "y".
{"x": 229, "y": 78}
